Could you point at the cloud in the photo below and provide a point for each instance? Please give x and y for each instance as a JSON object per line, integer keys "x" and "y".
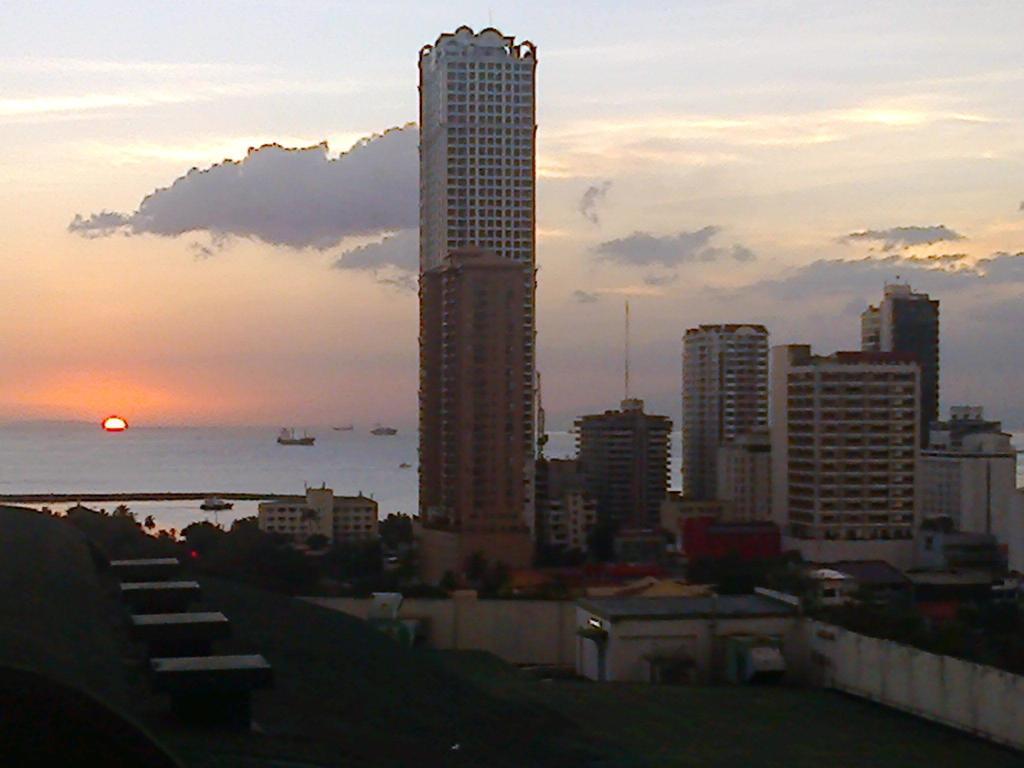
{"x": 293, "y": 197}
{"x": 904, "y": 237}
{"x": 585, "y": 297}
{"x": 592, "y": 197}
{"x": 400, "y": 251}
{"x": 102, "y": 224}
{"x": 660, "y": 280}
{"x": 394, "y": 261}
{"x": 645, "y": 249}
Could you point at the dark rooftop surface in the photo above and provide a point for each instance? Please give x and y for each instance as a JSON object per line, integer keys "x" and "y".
{"x": 872, "y": 572}
{"x": 209, "y": 663}
{"x": 726, "y": 606}
{"x": 148, "y": 586}
{"x": 154, "y": 619}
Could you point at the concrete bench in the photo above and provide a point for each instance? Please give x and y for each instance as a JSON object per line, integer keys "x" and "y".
{"x": 160, "y": 596}
{"x": 146, "y": 569}
{"x": 180, "y": 634}
{"x": 212, "y": 690}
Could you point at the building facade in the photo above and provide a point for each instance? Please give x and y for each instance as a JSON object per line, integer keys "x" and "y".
{"x": 844, "y": 445}
{"x": 744, "y": 476}
{"x": 908, "y": 322}
{"x": 472, "y": 455}
{"x": 624, "y": 457}
{"x": 338, "y": 519}
{"x": 725, "y": 393}
{"x": 477, "y": 192}
{"x": 967, "y": 474}
{"x": 566, "y": 513}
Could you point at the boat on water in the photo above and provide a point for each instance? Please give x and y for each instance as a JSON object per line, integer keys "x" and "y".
{"x": 404, "y": 465}
{"x": 215, "y": 504}
{"x": 344, "y": 428}
{"x": 287, "y": 437}
{"x": 379, "y": 431}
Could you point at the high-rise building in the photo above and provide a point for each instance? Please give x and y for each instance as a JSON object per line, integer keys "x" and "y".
{"x": 745, "y": 477}
{"x": 477, "y": 179}
{"x": 624, "y": 457}
{"x": 725, "y": 393}
{"x": 908, "y": 322}
{"x": 472, "y": 454}
{"x": 967, "y": 474}
{"x": 844, "y": 446}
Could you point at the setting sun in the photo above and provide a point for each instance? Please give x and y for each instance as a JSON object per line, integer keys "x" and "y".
{"x": 115, "y": 424}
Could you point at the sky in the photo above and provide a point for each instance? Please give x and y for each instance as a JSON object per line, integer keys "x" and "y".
{"x": 772, "y": 162}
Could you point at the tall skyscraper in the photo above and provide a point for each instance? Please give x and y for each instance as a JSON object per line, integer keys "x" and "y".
{"x": 624, "y": 459}
{"x": 908, "y": 322}
{"x": 477, "y": 236}
{"x": 844, "y": 447}
{"x": 725, "y": 393}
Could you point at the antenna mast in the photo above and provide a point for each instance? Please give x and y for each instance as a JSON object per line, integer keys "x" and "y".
{"x": 626, "y": 367}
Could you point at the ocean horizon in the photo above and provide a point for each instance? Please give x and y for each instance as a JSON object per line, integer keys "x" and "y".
{"x": 71, "y": 457}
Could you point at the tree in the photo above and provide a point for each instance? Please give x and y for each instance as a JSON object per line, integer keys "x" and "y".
{"x": 318, "y": 541}
{"x": 149, "y": 523}
{"x": 396, "y": 530}
{"x": 122, "y": 511}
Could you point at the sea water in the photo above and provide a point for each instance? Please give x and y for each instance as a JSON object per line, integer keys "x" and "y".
{"x": 70, "y": 458}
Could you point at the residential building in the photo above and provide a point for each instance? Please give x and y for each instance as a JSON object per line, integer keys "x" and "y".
{"x": 624, "y": 458}
{"x": 844, "y": 445}
{"x": 908, "y": 322}
{"x": 725, "y": 393}
{"x": 566, "y": 513}
{"x": 744, "y": 476}
{"x": 967, "y": 474}
{"x": 338, "y": 519}
{"x": 477, "y": 185}
{"x": 473, "y": 482}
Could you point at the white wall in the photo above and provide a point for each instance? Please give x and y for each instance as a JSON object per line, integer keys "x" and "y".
{"x": 974, "y": 698}
{"x": 518, "y": 631}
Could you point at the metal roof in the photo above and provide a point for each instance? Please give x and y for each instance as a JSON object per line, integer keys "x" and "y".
{"x": 668, "y": 608}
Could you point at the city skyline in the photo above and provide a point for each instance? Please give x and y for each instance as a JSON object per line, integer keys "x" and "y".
{"x": 746, "y": 170}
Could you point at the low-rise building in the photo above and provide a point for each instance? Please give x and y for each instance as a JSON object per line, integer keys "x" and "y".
{"x": 677, "y": 508}
{"x": 339, "y": 519}
{"x": 705, "y": 538}
{"x": 680, "y": 639}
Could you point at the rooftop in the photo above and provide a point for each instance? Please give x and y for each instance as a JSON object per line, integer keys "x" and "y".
{"x": 668, "y": 608}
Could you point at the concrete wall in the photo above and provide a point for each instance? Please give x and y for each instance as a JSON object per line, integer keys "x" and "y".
{"x": 518, "y": 631}
{"x": 701, "y": 638}
{"x": 974, "y": 698}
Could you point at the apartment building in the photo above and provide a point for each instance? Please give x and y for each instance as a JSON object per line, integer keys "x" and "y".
{"x": 725, "y": 393}
{"x": 339, "y": 519}
{"x": 844, "y": 444}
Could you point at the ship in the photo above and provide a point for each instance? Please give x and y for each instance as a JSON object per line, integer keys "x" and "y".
{"x": 215, "y": 504}
{"x": 287, "y": 437}
{"x": 405, "y": 465}
{"x": 380, "y": 431}
{"x": 344, "y": 428}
